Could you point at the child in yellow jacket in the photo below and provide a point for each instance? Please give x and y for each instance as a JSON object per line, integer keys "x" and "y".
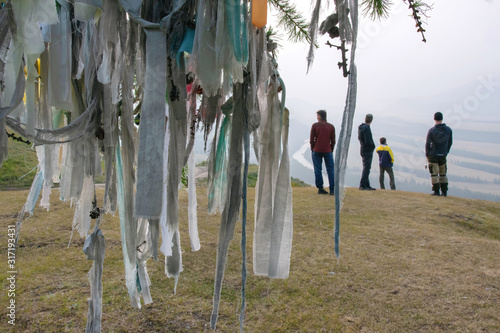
{"x": 386, "y": 161}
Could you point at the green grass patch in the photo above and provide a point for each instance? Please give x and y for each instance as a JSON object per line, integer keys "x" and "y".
{"x": 409, "y": 263}
{"x": 21, "y": 161}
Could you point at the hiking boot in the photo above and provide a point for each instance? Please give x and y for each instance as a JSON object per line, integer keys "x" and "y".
{"x": 435, "y": 193}
{"x": 444, "y": 194}
{"x": 322, "y": 191}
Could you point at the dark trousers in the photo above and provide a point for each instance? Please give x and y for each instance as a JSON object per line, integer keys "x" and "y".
{"x": 367, "y": 165}
{"x": 389, "y": 171}
{"x": 438, "y": 169}
{"x": 317, "y": 159}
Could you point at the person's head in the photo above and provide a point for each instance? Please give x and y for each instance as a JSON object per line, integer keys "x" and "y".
{"x": 438, "y": 117}
{"x": 383, "y": 141}
{"x": 368, "y": 118}
{"x": 321, "y": 115}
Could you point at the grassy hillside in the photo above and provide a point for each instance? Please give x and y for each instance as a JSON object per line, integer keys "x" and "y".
{"x": 409, "y": 263}
{"x": 21, "y": 159}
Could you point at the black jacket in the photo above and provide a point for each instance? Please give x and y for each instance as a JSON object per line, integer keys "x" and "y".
{"x": 439, "y": 140}
{"x": 365, "y": 138}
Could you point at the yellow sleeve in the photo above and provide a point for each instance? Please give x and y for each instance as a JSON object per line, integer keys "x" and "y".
{"x": 392, "y": 155}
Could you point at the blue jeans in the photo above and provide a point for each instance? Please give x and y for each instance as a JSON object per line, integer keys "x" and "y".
{"x": 367, "y": 165}
{"x": 317, "y": 159}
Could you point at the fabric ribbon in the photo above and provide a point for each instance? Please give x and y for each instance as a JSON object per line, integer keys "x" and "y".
{"x": 230, "y": 212}
{"x": 273, "y": 199}
{"x": 94, "y": 248}
{"x": 347, "y": 122}
{"x": 152, "y": 130}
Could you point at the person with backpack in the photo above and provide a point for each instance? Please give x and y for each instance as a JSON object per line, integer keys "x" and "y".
{"x": 437, "y": 146}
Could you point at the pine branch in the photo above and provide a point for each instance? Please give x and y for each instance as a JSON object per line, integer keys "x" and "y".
{"x": 273, "y": 41}
{"x": 376, "y": 9}
{"x": 291, "y": 21}
{"x": 419, "y": 8}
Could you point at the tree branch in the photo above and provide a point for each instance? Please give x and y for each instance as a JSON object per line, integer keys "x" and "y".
{"x": 291, "y": 20}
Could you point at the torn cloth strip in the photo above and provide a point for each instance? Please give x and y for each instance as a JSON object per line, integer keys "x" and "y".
{"x": 346, "y": 129}
{"x": 236, "y": 19}
{"x": 79, "y": 161}
{"x": 128, "y": 228}
{"x": 313, "y": 32}
{"x": 273, "y": 197}
{"x": 246, "y": 144}
{"x": 255, "y": 59}
{"x": 281, "y": 234}
{"x": 17, "y": 96}
{"x": 152, "y": 130}
{"x": 177, "y": 125}
{"x": 94, "y": 248}
{"x": 86, "y": 10}
{"x": 81, "y": 219}
{"x": 177, "y": 143}
{"x": 29, "y": 15}
{"x": 230, "y": 212}
{"x": 166, "y": 246}
{"x": 60, "y": 60}
{"x": 203, "y": 59}
{"x": 192, "y": 214}
{"x": 217, "y": 177}
{"x": 36, "y": 188}
{"x": 50, "y": 152}
{"x": 133, "y": 8}
{"x": 143, "y": 254}
{"x": 85, "y": 123}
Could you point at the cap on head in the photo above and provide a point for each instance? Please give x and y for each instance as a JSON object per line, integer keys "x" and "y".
{"x": 383, "y": 141}
{"x": 438, "y": 116}
{"x": 368, "y": 118}
{"x": 322, "y": 114}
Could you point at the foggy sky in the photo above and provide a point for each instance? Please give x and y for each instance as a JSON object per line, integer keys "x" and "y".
{"x": 463, "y": 46}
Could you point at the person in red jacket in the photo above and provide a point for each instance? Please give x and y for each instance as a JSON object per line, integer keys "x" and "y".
{"x": 322, "y": 142}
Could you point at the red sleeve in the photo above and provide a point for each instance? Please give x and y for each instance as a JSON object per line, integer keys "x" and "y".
{"x": 312, "y": 137}
{"x": 332, "y": 138}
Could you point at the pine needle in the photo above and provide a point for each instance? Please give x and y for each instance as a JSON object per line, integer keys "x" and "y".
{"x": 291, "y": 20}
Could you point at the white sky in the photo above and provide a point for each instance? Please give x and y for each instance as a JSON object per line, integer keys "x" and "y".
{"x": 463, "y": 44}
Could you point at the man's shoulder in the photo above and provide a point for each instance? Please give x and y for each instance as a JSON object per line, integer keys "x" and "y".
{"x": 323, "y": 124}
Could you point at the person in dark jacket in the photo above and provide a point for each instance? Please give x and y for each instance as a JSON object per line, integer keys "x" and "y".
{"x": 437, "y": 146}
{"x": 367, "y": 147}
{"x": 322, "y": 140}
{"x": 385, "y": 162}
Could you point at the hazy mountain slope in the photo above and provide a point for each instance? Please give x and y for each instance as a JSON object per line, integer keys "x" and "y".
{"x": 472, "y": 111}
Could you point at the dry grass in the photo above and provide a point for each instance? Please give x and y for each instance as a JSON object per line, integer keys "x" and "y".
{"x": 409, "y": 263}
